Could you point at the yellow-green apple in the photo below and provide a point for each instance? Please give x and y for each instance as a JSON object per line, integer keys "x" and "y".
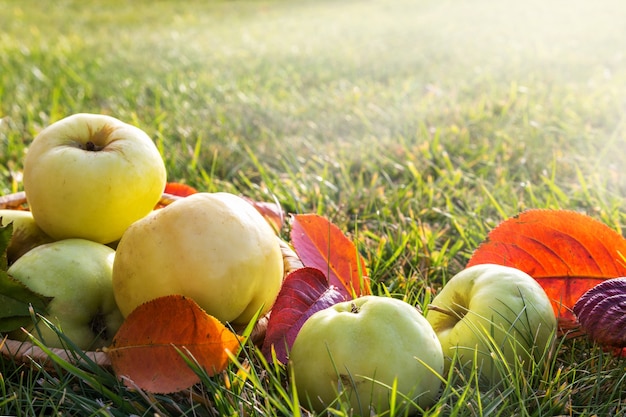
{"x": 357, "y": 350}
{"x": 212, "y": 247}
{"x": 90, "y": 176}
{"x": 493, "y": 317}
{"x": 76, "y": 274}
{"x": 26, "y": 233}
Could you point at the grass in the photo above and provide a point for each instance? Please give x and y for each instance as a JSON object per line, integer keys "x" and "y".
{"x": 415, "y": 126}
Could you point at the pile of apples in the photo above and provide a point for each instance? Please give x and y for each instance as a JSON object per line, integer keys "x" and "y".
{"x": 95, "y": 243}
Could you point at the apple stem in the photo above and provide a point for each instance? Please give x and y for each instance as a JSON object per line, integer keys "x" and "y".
{"x": 90, "y": 146}
{"x": 442, "y": 310}
{"x": 354, "y": 308}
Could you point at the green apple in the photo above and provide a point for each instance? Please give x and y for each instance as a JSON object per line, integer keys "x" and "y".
{"x": 76, "y": 273}
{"x": 359, "y": 349}
{"x": 26, "y": 233}
{"x": 215, "y": 248}
{"x": 492, "y": 317}
{"x": 90, "y": 176}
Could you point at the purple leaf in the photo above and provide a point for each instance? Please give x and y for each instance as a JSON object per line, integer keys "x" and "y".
{"x": 304, "y": 292}
{"x": 601, "y": 312}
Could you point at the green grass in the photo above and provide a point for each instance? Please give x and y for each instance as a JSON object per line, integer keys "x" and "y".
{"x": 415, "y": 126}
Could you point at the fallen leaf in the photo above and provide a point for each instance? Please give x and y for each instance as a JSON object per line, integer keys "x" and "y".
{"x": 567, "y": 252}
{"x": 147, "y": 348}
{"x": 320, "y": 244}
{"x": 179, "y": 189}
{"x": 272, "y": 212}
{"x": 15, "y": 201}
{"x": 29, "y": 353}
{"x": 601, "y": 312}
{"x": 174, "y": 191}
{"x": 17, "y": 300}
{"x": 304, "y": 292}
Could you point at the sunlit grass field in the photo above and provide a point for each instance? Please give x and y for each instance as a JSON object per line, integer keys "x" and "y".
{"x": 415, "y": 126}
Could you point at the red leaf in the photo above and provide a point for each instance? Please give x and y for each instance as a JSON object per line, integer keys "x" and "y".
{"x": 304, "y": 292}
{"x": 320, "y": 244}
{"x": 179, "y": 189}
{"x": 568, "y": 253}
{"x": 144, "y": 348}
{"x": 272, "y": 212}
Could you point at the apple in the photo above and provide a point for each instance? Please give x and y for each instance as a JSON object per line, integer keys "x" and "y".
{"x": 26, "y": 233}
{"x": 90, "y": 176}
{"x": 76, "y": 274}
{"x": 359, "y": 349}
{"x": 215, "y": 248}
{"x": 491, "y": 317}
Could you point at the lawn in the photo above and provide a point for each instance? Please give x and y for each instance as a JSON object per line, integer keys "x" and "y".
{"x": 414, "y": 126}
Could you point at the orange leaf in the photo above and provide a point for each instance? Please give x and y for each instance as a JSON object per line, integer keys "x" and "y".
{"x": 179, "y": 189}
{"x": 320, "y": 244}
{"x": 568, "y": 253}
{"x": 144, "y": 349}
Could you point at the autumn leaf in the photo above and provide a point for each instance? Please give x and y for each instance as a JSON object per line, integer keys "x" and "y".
{"x": 15, "y": 201}
{"x": 304, "y": 292}
{"x": 179, "y": 189}
{"x": 567, "y": 252}
{"x": 272, "y": 213}
{"x": 320, "y": 244}
{"x": 601, "y": 312}
{"x": 147, "y": 348}
{"x": 174, "y": 191}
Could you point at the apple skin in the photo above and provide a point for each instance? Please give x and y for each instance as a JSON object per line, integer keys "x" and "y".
{"x": 369, "y": 338}
{"x": 90, "y": 176}
{"x": 494, "y": 301}
{"x": 215, "y": 248}
{"x": 26, "y": 233}
{"x": 76, "y": 273}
